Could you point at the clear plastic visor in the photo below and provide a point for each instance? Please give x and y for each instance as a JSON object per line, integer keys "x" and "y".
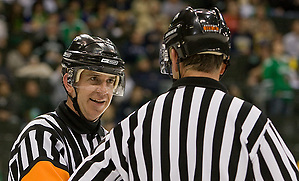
{"x": 114, "y": 82}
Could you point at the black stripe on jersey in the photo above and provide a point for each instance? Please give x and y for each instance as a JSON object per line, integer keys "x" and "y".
{"x": 218, "y": 133}
{"x": 14, "y": 166}
{"x": 146, "y": 139}
{"x": 204, "y": 107}
{"x": 187, "y": 100}
{"x": 165, "y": 127}
{"x": 236, "y": 147}
{"x": 278, "y": 158}
{"x": 256, "y": 131}
{"x": 71, "y": 141}
{"x": 97, "y": 158}
{"x": 266, "y": 174}
{"x": 249, "y": 174}
{"x": 105, "y": 172}
{"x": 81, "y": 144}
{"x": 131, "y": 145}
{"x": 29, "y": 151}
{"x": 63, "y": 139}
{"x": 54, "y": 151}
{"x": 118, "y": 133}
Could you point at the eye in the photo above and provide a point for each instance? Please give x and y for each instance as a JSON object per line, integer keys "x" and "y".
{"x": 93, "y": 78}
{"x": 111, "y": 81}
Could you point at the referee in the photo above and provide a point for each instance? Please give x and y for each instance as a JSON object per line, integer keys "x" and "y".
{"x": 53, "y": 145}
{"x": 196, "y": 130}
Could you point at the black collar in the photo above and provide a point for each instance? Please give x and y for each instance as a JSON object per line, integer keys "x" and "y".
{"x": 199, "y": 82}
{"x": 79, "y": 125}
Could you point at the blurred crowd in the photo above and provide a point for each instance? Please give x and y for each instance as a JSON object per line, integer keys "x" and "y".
{"x": 35, "y": 33}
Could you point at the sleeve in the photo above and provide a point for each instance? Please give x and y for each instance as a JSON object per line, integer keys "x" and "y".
{"x": 273, "y": 160}
{"x": 38, "y": 155}
{"x": 101, "y": 164}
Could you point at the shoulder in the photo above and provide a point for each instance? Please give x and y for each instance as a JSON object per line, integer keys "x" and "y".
{"x": 38, "y": 126}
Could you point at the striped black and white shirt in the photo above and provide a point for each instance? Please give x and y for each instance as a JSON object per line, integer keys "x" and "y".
{"x": 53, "y": 145}
{"x": 195, "y": 131}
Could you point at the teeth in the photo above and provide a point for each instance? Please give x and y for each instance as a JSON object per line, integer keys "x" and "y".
{"x": 95, "y": 100}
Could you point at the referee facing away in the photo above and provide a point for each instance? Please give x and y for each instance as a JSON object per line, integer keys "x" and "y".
{"x": 196, "y": 130}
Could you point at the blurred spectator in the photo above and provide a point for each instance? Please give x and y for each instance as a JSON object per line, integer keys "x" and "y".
{"x": 72, "y": 26}
{"x": 291, "y": 40}
{"x": 232, "y": 16}
{"x": 138, "y": 97}
{"x": 32, "y": 101}
{"x": 16, "y": 21}
{"x": 37, "y": 19}
{"x": 4, "y": 71}
{"x": 242, "y": 39}
{"x": 49, "y": 45}
{"x": 277, "y": 76}
{"x": 263, "y": 33}
{"x": 171, "y": 7}
{"x": 19, "y": 57}
{"x": 121, "y": 5}
{"x": 132, "y": 50}
{"x": 7, "y": 102}
{"x": 146, "y": 77}
{"x": 58, "y": 92}
{"x": 3, "y": 32}
{"x": 121, "y": 30}
{"x": 102, "y": 20}
{"x": 255, "y": 91}
{"x": 34, "y": 69}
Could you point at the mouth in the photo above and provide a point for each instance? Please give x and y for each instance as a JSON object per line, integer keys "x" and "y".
{"x": 97, "y": 101}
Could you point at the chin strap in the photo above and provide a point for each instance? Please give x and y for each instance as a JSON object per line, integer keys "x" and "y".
{"x": 76, "y": 106}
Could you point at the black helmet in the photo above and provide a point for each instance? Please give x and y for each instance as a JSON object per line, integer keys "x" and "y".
{"x": 94, "y": 53}
{"x": 195, "y": 31}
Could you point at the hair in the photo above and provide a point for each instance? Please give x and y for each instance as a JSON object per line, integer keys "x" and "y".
{"x": 203, "y": 62}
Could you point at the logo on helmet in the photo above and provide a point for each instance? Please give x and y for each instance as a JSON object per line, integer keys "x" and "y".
{"x": 211, "y": 28}
{"x": 171, "y": 32}
{"x": 112, "y": 62}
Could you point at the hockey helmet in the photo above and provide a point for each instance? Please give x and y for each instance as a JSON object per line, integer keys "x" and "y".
{"x": 195, "y": 31}
{"x": 96, "y": 54}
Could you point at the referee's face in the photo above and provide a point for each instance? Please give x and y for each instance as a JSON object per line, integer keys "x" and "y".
{"x": 94, "y": 91}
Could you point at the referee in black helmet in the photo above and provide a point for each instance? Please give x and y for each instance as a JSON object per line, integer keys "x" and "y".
{"x": 196, "y": 130}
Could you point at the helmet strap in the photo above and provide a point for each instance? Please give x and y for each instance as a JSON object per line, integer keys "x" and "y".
{"x": 179, "y": 70}
{"x": 77, "y": 107}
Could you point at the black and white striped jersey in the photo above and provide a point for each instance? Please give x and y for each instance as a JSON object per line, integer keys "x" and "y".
{"x": 195, "y": 131}
{"x": 52, "y": 146}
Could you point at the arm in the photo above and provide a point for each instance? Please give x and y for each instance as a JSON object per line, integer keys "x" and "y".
{"x": 38, "y": 155}
{"x": 273, "y": 160}
{"x": 99, "y": 165}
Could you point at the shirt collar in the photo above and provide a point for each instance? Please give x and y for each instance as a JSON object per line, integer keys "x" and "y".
{"x": 72, "y": 120}
{"x": 199, "y": 82}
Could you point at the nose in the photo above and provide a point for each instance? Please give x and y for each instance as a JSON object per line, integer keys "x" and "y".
{"x": 102, "y": 89}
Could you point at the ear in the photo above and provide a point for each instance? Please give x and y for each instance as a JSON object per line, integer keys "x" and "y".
{"x": 174, "y": 59}
{"x": 69, "y": 88}
{"x": 222, "y": 69}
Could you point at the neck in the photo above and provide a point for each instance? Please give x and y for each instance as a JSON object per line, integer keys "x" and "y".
{"x": 69, "y": 103}
{"x": 194, "y": 73}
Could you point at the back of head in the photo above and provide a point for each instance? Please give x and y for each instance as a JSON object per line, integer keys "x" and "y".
{"x": 195, "y": 32}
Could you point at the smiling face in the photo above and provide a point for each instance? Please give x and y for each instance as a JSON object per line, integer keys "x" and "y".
{"x": 94, "y": 93}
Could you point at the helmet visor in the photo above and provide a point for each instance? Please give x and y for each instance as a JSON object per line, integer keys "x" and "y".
{"x": 119, "y": 85}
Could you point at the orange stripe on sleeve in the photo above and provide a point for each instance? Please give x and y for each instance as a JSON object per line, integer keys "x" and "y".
{"x": 45, "y": 170}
